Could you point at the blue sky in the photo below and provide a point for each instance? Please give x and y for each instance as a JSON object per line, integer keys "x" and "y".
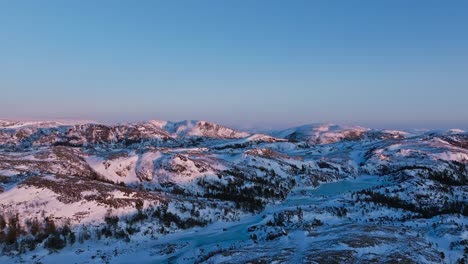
{"x": 262, "y": 64}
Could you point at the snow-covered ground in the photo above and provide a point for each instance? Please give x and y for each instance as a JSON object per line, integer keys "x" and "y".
{"x": 198, "y": 192}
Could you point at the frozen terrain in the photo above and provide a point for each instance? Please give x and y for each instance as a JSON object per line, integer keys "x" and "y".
{"x": 199, "y": 192}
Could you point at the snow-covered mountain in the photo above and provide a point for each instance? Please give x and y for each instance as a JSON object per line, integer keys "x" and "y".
{"x": 330, "y": 133}
{"x": 199, "y": 192}
{"x": 197, "y": 128}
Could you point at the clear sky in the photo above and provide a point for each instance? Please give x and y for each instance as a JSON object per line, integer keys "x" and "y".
{"x": 264, "y": 64}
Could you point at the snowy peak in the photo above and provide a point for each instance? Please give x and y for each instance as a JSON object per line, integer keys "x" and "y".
{"x": 322, "y": 133}
{"x": 193, "y": 128}
{"x": 331, "y": 133}
{"x": 263, "y": 138}
{"x": 207, "y": 129}
{"x": 454, "y": 131}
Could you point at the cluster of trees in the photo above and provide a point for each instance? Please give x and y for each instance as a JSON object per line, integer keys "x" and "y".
{"x": 456, "y": 176}
{"x": 21, "y": 236}
{"x": 458, "y": 243}
{"x": 453, "y": 207}
{"x": 167, "y": 218}
{"x": 250, "y": 198}
{"x": 10, "y": 229}
{"x": 160, "y": 213}
{"x": 15, "y": 235}
{"x": 245, "y": 198}
{"x": 112, "y": 229}
{"x": 385, "y": 169}
{"x": 287, "y": 217}
{"x": 461, "y": 243}
{"x": 275, "y": 235}
{"x": 340, "y": 211}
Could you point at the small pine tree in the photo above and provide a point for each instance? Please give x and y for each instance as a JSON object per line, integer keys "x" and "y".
{"x": 11, "y": 236}
{"x": 49, "y": 226}
{"x": 35, "y": 227}
{"x": 3, "y": 222}
{"x": 14, "y": 230}
{"x": 139, "y": 204}
{"x": 72, "y": 238}
{"x": 55, "y": 242}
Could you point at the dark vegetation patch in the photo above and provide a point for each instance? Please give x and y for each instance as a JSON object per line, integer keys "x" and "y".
{"x": 460, "y": 141}
{"x": 428, "y": 211}
{"x": 70, "y": 188}
{"x": 252, "y": 197}
{"x": 22, "y": 237}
